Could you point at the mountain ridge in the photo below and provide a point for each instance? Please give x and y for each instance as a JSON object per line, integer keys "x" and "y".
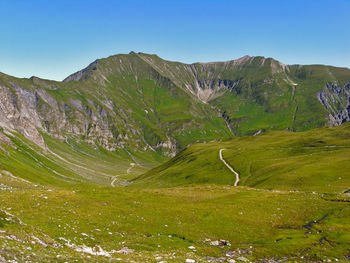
{"x": 237, "y": 61}
{"x": 175, "y": 61}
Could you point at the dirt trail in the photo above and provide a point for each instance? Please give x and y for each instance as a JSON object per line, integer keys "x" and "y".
{"x": 114, "y": 178}
{"x": 229, "y": 167}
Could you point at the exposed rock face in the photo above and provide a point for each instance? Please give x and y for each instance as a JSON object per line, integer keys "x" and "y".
{"x": 18, "y": 112}
{"x": 208, "y": 86}
{"x": 336, "y": 100}
{"x": 212, "y": 88}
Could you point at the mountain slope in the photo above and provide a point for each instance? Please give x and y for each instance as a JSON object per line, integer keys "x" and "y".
{"x": 142, "y": 103}
{"x": 257, "y": 93}
{"x": 138, "y": 109}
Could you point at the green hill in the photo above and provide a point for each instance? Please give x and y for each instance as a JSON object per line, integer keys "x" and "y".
{"x": 316, "y": 160}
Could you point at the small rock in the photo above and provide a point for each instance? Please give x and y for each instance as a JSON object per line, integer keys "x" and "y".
{"x": 231, "y": 261}
{"x": 188, "y": 260}
{"x": 191, "y": 247}
{"x": 231, "y": 254}
{"x": 220, "y": 243}
{"x": 243, "y": 259}
{"x": 215, "y": 243}
{"x": 125, "y": 250}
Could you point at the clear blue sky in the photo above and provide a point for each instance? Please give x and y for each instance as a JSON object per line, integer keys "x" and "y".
{"x": 52, "y": 39}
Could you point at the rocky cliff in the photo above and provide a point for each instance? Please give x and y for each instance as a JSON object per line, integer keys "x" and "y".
{"x": 336, "y": 100}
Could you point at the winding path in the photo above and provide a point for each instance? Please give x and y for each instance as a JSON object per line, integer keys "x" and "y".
{"x": 229, "y": 167}
{"x": 114, "y": 178}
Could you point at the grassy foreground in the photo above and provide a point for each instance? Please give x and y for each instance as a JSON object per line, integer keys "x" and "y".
{"x": 55, "y": 225}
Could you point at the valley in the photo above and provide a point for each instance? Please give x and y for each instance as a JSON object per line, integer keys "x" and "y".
{"x": 139, "y": 159}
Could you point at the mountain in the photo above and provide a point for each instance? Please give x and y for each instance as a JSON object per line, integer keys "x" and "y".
{"x": 140, "y": 104}
{"x": 86, "y": 173}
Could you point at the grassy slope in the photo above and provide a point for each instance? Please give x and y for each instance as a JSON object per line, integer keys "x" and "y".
{"x": 67, "y": 164}
{"x": 316, "y": 160}
{"x": 273, "y": 105}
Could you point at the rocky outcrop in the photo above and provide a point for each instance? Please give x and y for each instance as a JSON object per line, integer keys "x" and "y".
{"x": 18, "y": 112}
{"x": 336, "y": 101}
{"x": 212, "y": 88}
{"x": 208, "y": 86}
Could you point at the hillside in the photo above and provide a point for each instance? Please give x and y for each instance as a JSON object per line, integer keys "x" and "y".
{"x": 316, "y": 160}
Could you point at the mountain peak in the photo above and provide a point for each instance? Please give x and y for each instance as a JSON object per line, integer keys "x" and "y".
{"x": 83, "y": 74}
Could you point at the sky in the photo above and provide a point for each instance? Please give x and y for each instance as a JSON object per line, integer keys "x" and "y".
{"x": 52, "y": 39}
